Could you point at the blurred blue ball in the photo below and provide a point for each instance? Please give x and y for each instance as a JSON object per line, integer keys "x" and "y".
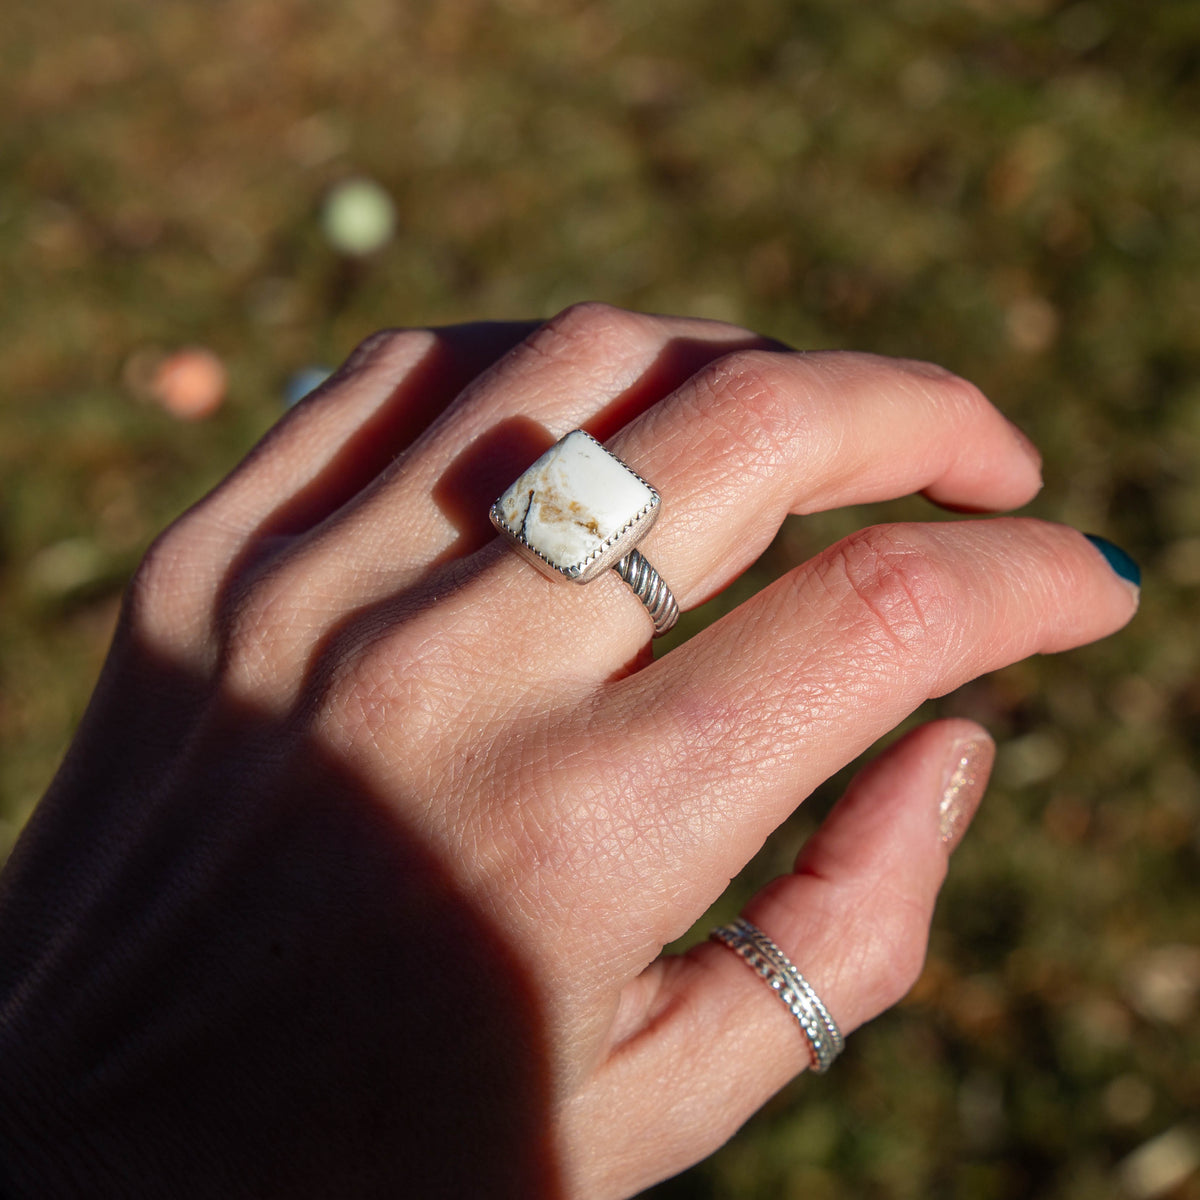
{"x": 302, "y": 382}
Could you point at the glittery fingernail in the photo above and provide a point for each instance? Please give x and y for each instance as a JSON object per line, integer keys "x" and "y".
{"x": 967, "y": 771}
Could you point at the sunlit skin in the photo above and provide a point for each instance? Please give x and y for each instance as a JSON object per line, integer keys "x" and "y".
{"x": 357, "y": 876}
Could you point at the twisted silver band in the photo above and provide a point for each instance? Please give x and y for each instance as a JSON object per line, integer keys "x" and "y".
{"x": 825, "y": 1040}
{"x": 649, "y": 588}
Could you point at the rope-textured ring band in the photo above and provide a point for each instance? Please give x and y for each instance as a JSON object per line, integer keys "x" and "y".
{"x": 825, "y": 1040}
{"x": 578, "y": 511}
{"x": 649, "y": 588}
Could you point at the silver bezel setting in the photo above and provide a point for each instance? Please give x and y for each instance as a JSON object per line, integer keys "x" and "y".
{"x": 608, "y": 551}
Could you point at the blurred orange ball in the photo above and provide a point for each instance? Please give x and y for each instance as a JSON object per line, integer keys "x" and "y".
{"x": 190, "y": 384}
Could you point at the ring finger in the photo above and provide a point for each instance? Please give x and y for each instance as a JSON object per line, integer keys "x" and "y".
{"x": 712, "y": 1036}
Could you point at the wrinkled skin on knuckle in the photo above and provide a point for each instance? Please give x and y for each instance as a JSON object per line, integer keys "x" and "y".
{"x": 895, "y": 601}
{"x": 160, "y": 578}
{"x": 382, "y": 688}
{"x": 382, "y": 347}
{"x": 592, "y": 333}
{"x": 746, "y": 416}
{"x": 589, "y": 321}
{"x": 383, "y": 351}
{"x": 380, "y": 358}
{"x": 262, "y": 622}
{"x": 167, "y": 602}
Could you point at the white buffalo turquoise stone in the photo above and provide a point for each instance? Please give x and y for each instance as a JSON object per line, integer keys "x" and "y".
{"x": 577, "y": 509}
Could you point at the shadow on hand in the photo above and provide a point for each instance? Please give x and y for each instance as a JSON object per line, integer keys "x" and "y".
{"x": 228, "y": 968}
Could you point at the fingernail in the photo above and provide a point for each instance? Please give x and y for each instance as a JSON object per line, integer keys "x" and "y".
{"x": 1118, "y": 559}
{"x": 1026, "y": 443}
{"x": 967, "y": 772}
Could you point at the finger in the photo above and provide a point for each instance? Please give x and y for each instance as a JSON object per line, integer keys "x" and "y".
{"x": 679, "y": 772}
{"x": 701, "y": 1042}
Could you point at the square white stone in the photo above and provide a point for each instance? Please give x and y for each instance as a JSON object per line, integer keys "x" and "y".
{"x": 577, "y": 510}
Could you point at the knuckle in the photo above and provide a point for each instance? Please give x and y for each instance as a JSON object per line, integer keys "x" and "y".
{"x": 159, "y": 575}
{"x": 896, "y": 591}
{"x": 254, "y": 619}
{"x": 745, "y": 402}
{"x": 962, "y": 391}
{"x": 386, "y": 681}
{"x": 169, "y": 592}
{"x": 383, "y": 344}
{"x": 386, "y": 350}
{"x": 592, "y": 326}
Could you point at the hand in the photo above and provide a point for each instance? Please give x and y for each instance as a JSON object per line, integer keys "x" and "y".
{"x": 356, "y": 878}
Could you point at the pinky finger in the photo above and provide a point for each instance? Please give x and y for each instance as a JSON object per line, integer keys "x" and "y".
{"x": 702, "y": 1041}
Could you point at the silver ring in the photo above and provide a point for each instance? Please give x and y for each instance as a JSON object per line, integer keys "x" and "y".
{"x": 578, "y": 511}
{"x": 649, "y": 588}
{"x": 825, "y": 1041}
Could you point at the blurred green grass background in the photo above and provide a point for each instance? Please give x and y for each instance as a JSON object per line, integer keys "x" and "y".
{"x": 1008, "y": 188}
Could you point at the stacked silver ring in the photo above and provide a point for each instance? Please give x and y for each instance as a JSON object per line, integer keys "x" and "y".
{"x": 825, "y": 1040}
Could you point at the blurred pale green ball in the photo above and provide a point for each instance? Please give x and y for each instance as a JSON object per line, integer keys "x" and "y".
{"x": 358, "y": 217}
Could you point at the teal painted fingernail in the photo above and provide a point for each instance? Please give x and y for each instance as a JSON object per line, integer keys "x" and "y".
{"x": 1117, "y": 559}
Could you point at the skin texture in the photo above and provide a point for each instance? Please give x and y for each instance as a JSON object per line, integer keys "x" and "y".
{"x": 356, "y": 878}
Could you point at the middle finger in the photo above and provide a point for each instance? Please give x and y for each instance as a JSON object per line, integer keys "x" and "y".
{"x": 749, "y": 438}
